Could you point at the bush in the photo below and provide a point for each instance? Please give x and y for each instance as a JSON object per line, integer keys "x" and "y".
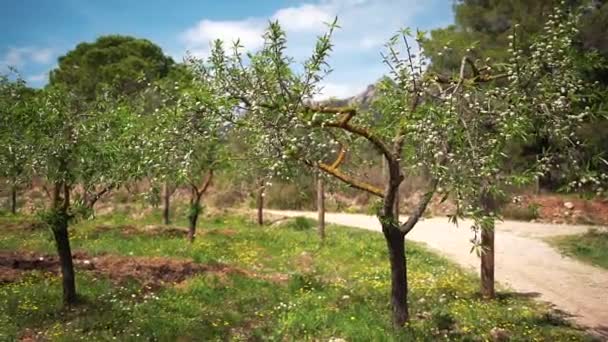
{"x": 528, "y": 213}
{"x": 301, "y": 223}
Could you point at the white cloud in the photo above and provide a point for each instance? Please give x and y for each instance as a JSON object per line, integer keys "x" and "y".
{"x": 305, "y": 18}
{"x": 42, "y": 56}
{"x": 38, "y": 78}
{"x": 199, "y": 37}
{"x": 19, "y": 56}
{"x": 365, "y": 25}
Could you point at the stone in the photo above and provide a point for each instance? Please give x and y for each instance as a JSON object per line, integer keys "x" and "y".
{"x": 569, "y": 205}
{"x": 499, "y": 334}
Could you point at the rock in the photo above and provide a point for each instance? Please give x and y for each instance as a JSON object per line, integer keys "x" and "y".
{"x": 499, "y": 334}
{"x": 336, "y": 339}
{"x": 569, "y": 205}
{"x": 424, "y": 315}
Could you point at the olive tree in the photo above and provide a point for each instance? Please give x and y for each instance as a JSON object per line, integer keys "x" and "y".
{"x": 70, "y": 137}
{"x": 15, "y": 150}
{"x": 538, "y": 96}
{"x": 452, "y": 130}
{"x": 186, "y": 137}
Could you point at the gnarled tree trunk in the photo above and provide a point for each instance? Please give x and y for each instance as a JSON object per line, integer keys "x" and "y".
{"x": 59, "y": 225}
{"x": 195, "y": 209}
{"x": 195, "y": 205}
{"x": 395, "y": 241}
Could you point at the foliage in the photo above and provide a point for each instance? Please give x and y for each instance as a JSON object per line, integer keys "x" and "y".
{"x": 183, "y": 135}
{"x": 483, "y": 31}
{"x": 82, "y": 143}
{"x": 302, "y": 223}
{"x": 120, "y": 62}
{"x": 336, "y": 294}
{"x": 15, "y": 112}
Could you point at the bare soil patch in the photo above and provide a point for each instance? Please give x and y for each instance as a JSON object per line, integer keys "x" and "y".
{"x": 151, "y": 272}
{"x": 26, "y": 226}
{"x": 560, "y": 209}
{"x": 160, "y": 230}
{"x": 152, "y": 230}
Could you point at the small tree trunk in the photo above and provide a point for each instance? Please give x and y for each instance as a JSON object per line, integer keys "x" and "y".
{"x": 13, "y": 200}
{"x": 62, "y": 240}
{"x": 321, "y": 207}
{"x": 395, "y": 240}
{"x": 260, "y": 203}
{"x": 166, "y": 204}
{"x": 487, "y": 264}
{"x": 487, "y": 252}
{"x": 195, "y": 208}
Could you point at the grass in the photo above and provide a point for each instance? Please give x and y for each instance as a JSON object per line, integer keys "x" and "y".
{"x": 591, "y": 247}
{"x": 338, "y": 290}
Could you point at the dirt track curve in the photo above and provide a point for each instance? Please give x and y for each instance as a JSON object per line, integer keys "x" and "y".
{"x": 524, "y": 262}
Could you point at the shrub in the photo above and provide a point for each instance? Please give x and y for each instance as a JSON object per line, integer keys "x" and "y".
{"x": 301, "y": 223}
{"x": 519, "y": 213}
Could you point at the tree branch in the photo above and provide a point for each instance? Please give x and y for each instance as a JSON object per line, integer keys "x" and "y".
{"x": 207, "y": 183}
{"x": 415, "y": 216}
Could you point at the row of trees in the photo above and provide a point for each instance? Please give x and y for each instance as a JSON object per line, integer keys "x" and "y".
{"x": 173, "y": 126}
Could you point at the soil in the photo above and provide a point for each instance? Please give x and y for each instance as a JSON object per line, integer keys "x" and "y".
{"x": 23, "y": 226}
{"x": 150, "y": 272}
{"x": 161, "y": 230}
{"x": 152, "y": 230}
{"x": 553, "y": 209}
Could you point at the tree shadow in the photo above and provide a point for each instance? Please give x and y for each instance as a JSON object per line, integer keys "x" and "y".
{"x": 506, "y": 295}
{"x": 601, "y": 332}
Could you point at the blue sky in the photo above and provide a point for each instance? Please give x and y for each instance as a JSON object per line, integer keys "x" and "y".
{"x": 36, "y": 32}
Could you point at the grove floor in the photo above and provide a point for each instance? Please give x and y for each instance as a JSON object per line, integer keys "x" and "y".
{"x": 141, "y": 281}
{"x": 525, "y": 262}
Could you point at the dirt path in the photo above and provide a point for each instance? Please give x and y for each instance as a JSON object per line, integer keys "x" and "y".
{"x": 524, "y": 262}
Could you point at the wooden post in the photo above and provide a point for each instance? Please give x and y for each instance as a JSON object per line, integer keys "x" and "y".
{"x": 166, "y": 204}
{"x": 260, "y": 202}
{"x": 321, "y": 206}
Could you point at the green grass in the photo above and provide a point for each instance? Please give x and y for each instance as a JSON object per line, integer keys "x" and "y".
{"x": 338, "y": 289}
{"x": 591, "y": 247}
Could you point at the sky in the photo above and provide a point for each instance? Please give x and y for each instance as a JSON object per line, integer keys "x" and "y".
{"x": 36, "y": 32}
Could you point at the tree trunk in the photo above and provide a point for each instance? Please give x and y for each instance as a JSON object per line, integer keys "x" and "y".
{"x": 395, "y": 240}
{"x": 321, "y": 207}
{"x": 487, "y": 252}
{"x": 166, "y": 204}
{"x": 397, "y": 203}
{"x": 195, "y": 208}
{"x": 260, "y": 203}
{"x": 13, "y": 200}
{"x": 62, "y": 240}
{"x": 487, "y": 263}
